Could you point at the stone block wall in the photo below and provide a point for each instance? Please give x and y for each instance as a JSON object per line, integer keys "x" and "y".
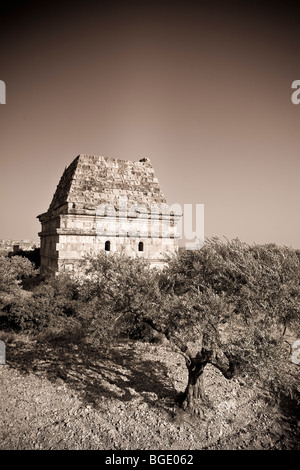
{"x": 100, "y": 200}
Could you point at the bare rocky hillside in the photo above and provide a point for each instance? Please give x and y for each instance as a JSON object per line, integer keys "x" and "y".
{"x": 65, "y": 396}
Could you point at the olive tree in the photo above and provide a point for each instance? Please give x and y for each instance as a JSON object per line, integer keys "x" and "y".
{"x": 229, "y": 305}
{"x": 117, "y": 291}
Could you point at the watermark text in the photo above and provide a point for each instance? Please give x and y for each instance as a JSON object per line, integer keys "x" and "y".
{"x": 296, "y": 94}
{"x": 152, "y": 221}
{"x": 2, "y": 92}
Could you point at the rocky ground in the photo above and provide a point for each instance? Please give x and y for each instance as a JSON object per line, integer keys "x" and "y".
{"x": 65, "y": 396}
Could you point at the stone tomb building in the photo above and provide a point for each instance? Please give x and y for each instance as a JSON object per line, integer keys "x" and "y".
{"x": 106, "y": 204}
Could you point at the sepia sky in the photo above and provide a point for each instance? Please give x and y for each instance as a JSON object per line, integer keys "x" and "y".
{"x": 203, "y": 91}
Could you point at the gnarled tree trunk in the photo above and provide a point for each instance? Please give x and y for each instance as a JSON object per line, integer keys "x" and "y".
{"x": 194, "y": 397}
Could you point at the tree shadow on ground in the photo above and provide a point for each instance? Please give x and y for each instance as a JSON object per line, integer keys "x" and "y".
{"x": 118, "y": 372}
{"x": 289, "y": 407}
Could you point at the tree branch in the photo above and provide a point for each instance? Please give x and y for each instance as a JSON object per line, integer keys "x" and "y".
{"x": 222, "y": 362}
{"x": 183, "y": 349}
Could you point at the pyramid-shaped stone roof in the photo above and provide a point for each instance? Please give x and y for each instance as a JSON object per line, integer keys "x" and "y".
{"x": 93, "y": 180}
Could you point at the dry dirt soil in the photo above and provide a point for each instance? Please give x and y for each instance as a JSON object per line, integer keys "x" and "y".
{"x": 66, "y": 396}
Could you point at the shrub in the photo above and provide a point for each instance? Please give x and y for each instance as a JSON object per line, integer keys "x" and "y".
{"x": 12, "y": 271}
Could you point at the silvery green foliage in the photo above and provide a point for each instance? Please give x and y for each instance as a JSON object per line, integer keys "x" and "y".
{"x": 245, "y": 299}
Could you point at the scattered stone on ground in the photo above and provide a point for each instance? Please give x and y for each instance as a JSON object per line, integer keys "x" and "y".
{"x": 125, "y": 399}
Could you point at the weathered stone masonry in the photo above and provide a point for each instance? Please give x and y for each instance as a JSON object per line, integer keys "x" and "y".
{"x": 87, "y": 214}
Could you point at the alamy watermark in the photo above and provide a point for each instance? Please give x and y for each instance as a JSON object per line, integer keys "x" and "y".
{"x": 296, "y": 352}
{"x": 2, "y": 353}
{"x": 2, "y": 92}
{"x": 296, "y": 94}
{"x": 152, "y": 221}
